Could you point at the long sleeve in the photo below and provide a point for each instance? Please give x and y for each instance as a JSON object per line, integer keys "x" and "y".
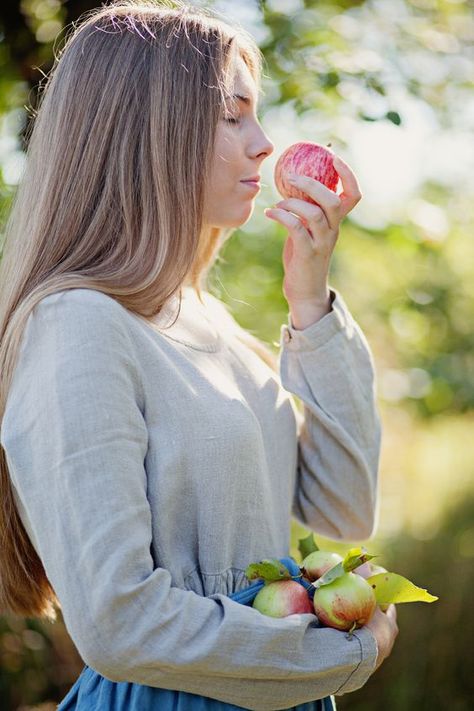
{"x": 329, "y": 366}
{"x": 75, "y": 437}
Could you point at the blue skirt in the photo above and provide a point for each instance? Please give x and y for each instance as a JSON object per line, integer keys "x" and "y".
{"x": 93, "y": 692}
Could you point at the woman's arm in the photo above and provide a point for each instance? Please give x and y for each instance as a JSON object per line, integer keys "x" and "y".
{"x": 329, "y": 366}
{"x": 75, "y": 437}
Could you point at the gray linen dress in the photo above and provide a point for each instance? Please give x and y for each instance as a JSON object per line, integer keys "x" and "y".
{"x": 150, "y": 467}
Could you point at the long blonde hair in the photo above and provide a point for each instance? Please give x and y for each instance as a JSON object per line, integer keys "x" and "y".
{"x": 111, "y": 197}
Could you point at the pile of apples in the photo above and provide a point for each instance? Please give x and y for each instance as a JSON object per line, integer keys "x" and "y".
{"x": 342, "y": 592}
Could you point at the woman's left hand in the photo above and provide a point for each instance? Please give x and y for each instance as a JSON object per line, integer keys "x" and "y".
{"x": 311, "y": 239}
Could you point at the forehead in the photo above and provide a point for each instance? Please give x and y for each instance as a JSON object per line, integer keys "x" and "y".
{"x": 243, "y": 82}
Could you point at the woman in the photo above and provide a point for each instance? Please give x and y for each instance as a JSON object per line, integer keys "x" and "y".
{"x": 149, "y": 452}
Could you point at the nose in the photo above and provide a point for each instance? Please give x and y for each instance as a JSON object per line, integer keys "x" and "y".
{"x": 264, "y": 147}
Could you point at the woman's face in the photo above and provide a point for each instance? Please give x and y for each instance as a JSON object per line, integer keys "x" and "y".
{"x": 240, "y": 148}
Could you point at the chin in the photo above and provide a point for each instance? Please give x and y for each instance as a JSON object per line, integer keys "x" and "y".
{"x": 244, "y": 217}
{"x": 235, "y": 221}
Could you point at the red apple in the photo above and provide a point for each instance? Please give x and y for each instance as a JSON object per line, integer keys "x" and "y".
{"x": 281, "y": 598}
{"x": 317, "y": 563}
{"x": 305, "y": 158}
{"x": 346, "y": 600}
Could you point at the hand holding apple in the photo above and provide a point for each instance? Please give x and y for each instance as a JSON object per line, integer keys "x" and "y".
{"x": 305, "y": 158}
{"x": 312, "y": 212}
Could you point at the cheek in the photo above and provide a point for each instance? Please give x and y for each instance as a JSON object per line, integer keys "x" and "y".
{"x": 226, "y": 155}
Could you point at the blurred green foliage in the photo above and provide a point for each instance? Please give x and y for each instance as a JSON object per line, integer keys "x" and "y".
{"x": 409, "y": 284}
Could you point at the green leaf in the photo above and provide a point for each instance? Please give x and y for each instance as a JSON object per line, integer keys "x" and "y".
{"x": 393, "y": 588}
{"x": 373, "y": 83}
{"x": 355, "y": 557}
{"x": 329, "y": 79}
{"x": 307, "y": 545}
{"x": 269, "y": 569}
{"x": 394, "y": 117}
{"x": 329, "y": 576}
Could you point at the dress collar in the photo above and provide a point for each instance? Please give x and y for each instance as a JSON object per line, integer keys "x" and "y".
{"x": 194, "y": 326}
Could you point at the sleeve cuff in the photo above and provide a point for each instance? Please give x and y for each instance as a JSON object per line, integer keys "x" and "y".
{"x": 320, "y": 332}
{"x": 366, "y": 666}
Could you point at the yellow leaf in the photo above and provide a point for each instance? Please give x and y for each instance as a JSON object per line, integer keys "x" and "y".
{"x": 390, "y": 587}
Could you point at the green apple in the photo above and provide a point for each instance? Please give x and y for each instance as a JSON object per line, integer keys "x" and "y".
{"x": 346, "y": 603}
{"x": 281, "y": 598}
{"x": 319, "y": 562}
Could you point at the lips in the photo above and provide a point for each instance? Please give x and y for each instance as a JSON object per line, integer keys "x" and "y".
{"x": 253, "y": 184}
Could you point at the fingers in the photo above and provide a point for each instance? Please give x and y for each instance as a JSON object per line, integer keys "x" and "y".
{"x": 310, "y": 213}
{"x": 326, "y": 199}
{"x": 295, "y": 227}
{"x": 392, "y": 615}
{"x": 351, "y": 193}
{"x": 391, "y": 612}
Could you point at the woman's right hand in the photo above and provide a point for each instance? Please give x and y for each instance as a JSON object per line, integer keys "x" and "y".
{"x": 383, "y": 626}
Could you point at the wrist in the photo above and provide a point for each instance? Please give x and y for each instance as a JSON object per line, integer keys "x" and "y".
{"x": 305, "y": 313}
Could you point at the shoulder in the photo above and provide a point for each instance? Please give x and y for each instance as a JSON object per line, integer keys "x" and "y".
{"x": 75, "y": 352}
{"x": 70, "y": 312}
{"x": 75, "y": 323}
{"x": 71, "y": 333}
{"x": 78, "y": 300}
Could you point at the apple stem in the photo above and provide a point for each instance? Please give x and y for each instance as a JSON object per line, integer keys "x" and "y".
{"x": 354, "y": 625}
